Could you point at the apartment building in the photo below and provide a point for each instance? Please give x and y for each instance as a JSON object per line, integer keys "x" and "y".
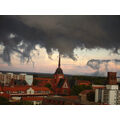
{"x": 110, "y": 94}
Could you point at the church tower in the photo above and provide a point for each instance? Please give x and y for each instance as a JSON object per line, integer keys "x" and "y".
{"x": 59, "y": 72}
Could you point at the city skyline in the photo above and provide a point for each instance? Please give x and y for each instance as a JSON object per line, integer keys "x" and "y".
{"x": 89, "y": 45}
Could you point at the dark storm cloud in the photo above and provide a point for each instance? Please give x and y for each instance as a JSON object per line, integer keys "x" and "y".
{"x": 64, "y": 33}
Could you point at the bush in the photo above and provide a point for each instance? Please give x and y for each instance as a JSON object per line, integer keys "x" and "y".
{"x": 4, "y": 101}
{"x": 91, "y": 96}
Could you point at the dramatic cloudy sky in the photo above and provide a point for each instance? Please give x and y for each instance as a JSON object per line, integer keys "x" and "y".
{"x": 89, "y": 45}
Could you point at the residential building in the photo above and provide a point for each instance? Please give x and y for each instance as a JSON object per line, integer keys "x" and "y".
{"x": 110, "y": 93}
{"x": 30, "y": 93}
{"x": 9, "y": 79}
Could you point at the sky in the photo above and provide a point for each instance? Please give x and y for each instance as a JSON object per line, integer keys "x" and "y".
{"x": 89, "y": 45}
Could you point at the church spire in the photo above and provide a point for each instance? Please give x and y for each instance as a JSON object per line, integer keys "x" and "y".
{"x": 59, "y": 61}
{"x": 59, "y": 70}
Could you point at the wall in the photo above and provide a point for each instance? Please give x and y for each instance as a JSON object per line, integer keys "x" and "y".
{"x": 29, "y": 79}
{"x": 30, "y": 91}
{"x": 112, "y": 98}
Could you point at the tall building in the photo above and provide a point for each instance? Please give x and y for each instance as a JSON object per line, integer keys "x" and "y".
{"x": 110, "y": 94}
{"x": 112, "y": 79}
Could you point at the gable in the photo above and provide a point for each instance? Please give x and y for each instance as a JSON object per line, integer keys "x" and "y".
{"x": 30, "y": 91}
{"x": 65, "y": 85}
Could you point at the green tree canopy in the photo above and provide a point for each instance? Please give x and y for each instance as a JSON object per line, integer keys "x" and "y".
{"x": 79, "y": 88}
{"x": 91, "y": 96}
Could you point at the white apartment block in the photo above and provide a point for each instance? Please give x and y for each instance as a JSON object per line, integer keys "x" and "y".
{"x": 8, "y": 77}
{"x": 110, "y": 95}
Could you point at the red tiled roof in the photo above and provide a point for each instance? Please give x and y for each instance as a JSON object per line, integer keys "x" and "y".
{"x": 24, "y": 88}
{"x": 0, "y": 88}
{"x": 16, "y": 88}
{"x": 36, "y": 88}
{"x": 32, "y": 98}
{"x": 83, "y": 81}
{"x": 43, "y": 79}
{"x": 98, "y": 86}
{"x": 5, "y": 95}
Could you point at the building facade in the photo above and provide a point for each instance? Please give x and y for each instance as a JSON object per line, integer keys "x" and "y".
{"x": 9, "y": 79}
{"x": 110, "y": 93}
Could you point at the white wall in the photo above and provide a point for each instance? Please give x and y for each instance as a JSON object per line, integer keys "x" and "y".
{"x": 112, "y": 98}
{"x": 118, "y": 80}
{"x": 30, "y": 91}
{"x": 16, "y": 98}
{"x": 112, "y": 87}
{"x": 29, "y": 79}
{"x": 96, "y": 95}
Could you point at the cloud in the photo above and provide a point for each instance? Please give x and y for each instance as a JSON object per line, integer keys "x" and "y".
{"x": 63, "y": 33}
{"x": 104, "y": 66}
{"x": 12, "y": 36}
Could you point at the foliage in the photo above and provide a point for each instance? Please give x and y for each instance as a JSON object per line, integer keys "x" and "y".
{"x": 49, "y": 86}
{"x": 4, "y": 101}
{"x": 91, "y": 96}
{"x": 35, "y": 82}
{"x": 79, "y": 88}
{"x": 93, "y": 79}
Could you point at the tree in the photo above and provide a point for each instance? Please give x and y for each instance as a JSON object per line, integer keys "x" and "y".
{"x": 49, "y": 86}
{"x": 35, "y": 82}
{"x": 91, "y": 96}
{"x": 4, "y": 101}
{"x": 79, "y": 88}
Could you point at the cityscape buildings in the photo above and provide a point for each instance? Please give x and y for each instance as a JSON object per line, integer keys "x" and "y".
{"x": 57, "y": 89}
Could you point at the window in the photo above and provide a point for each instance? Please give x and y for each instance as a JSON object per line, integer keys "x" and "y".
{"x": 18, "y": 91}
{"x": 38, "y": 91}
{"x": 8, "y": 92}
{"x": 46, "y": 91}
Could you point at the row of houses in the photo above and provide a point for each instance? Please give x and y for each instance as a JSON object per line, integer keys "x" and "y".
{"x": 34, "y": 94}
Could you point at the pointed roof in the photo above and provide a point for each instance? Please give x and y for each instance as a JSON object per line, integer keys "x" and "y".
{"x": 59, "y": 61}
{"x": 59, "y": 70}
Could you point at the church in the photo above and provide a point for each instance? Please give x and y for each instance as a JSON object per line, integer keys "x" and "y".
{"x": 59, "y": 83}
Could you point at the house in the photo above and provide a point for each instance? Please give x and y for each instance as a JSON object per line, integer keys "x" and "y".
{"x": 61, "y": 100}
{"x": 16, "y": 93}
{"x": 34, "y": 100}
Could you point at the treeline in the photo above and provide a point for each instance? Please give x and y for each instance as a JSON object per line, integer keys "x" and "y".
{"x": 92, "y": 79}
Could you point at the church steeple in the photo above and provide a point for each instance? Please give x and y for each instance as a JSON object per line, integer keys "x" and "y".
{"x": 59, "y": 61}
{"x": 59, "y": 70}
